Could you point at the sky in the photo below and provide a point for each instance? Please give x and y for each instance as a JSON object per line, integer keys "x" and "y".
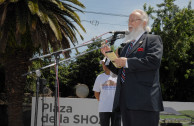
{"x": 98, "y": 24}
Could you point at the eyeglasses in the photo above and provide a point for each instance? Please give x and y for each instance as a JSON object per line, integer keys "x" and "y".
{"x": 134, "y": 20}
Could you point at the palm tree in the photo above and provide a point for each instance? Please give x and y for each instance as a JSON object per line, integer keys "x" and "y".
{"x": 27, "y": 26}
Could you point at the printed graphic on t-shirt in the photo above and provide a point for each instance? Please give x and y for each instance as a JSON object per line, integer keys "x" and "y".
{"x": 109, "y": 85}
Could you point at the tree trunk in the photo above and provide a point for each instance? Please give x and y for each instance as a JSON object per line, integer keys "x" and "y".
{"x": 16, "y": 65}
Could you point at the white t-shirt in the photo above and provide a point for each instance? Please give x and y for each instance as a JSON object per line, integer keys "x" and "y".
{"x": 106, "y": 85}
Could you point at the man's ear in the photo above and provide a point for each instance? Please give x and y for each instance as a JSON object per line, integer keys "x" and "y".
{"x": 144, "y": 24}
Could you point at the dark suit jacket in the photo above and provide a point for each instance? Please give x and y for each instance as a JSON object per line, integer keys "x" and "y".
{"x": 143, "y": 90}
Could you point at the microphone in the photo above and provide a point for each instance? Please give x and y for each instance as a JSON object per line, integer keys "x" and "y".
{"x": 117, "y": 37}
{"x": 115, "y": 33}
{"x": 120, "y": 32}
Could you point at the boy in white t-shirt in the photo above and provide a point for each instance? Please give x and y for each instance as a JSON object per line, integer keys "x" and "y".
{"x": 104, "y": 91}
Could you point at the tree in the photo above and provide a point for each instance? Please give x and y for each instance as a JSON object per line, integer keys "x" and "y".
{"x": 84, "y": 69}
{"x": 27, "y": 26}
{"x": 176, "y": 28}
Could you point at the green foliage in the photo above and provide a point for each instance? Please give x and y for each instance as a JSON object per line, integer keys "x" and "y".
{"x": 82, "y": 70}
{"x": 176, "y": 27}
{"x": 44, "y": 21}
{"x": 27, "y": 26}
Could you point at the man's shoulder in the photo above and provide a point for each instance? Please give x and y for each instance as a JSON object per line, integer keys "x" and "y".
{"x": 152, "y": 37}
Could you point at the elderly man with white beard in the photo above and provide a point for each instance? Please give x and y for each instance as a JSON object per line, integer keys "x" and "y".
{"x": 138, "y": 92}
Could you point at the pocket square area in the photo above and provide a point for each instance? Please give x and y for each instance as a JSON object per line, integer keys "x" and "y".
{"x": 140, "y": 49}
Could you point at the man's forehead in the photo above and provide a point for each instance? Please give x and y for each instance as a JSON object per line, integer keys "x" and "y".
{"x": 135, "y": 14}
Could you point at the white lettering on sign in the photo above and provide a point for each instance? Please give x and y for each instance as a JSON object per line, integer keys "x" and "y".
{"x": 73, "y": 112}
{"x": 62, "y": 109}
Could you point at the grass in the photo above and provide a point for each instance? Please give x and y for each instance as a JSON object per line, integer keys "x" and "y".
{"x": 186, "y": 118}
{"x": 189, "y": 113}
{"x": 173, "y": 117}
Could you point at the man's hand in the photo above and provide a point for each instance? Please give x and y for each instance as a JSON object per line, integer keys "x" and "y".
{"x": 120, "y": 61}
{"x": 104, "y": 49}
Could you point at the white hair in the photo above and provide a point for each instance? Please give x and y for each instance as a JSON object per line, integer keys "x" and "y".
{"x": 144, "y": 17}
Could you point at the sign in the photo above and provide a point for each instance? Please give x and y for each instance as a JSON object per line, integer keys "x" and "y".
{"x": 73, "y": 112}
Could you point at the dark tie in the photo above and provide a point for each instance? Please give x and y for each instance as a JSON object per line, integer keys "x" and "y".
{"x": 126, "y": 55}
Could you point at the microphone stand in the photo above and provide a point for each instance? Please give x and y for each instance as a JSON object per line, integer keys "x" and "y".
{"x": 38, "y": 74}
{"x": 56, "y": 84}
{"x": 114, "y": 38}
{"x": 57, "y": 57}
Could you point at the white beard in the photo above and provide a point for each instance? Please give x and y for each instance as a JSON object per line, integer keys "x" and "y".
{"x": 134, "y": 34}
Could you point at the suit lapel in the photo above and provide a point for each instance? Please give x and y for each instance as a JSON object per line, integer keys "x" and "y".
{"x": 138, "y": 43}
{"x": 124, "y": 50}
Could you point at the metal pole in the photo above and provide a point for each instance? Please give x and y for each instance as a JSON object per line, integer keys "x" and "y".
{"x": 56, "y": 89}
{"x": 38, "y": 74}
